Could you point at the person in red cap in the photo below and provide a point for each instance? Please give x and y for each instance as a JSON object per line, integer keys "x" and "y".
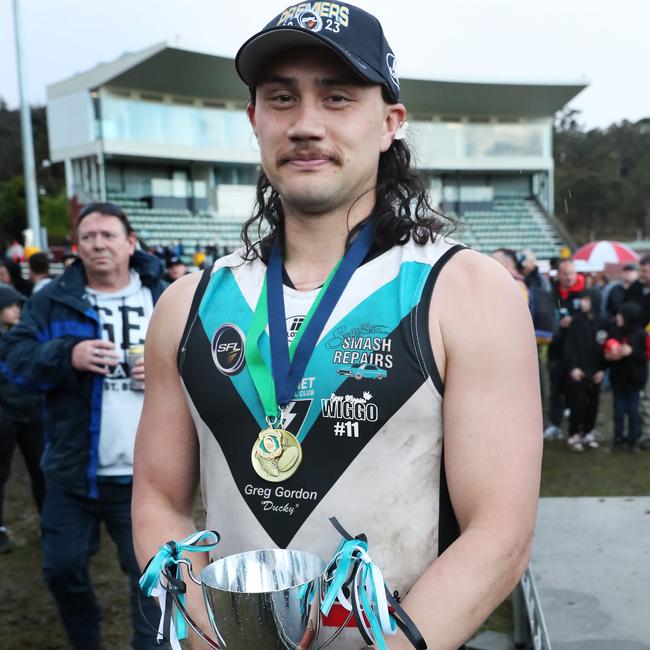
{"x": 566, "y": 288}
{"x": 383, "y": 315}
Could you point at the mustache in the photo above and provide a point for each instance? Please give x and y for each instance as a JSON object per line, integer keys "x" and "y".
{"x": 307, "y": 154}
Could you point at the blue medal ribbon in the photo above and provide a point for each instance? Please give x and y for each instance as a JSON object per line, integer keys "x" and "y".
{"x": 288, "y": 372}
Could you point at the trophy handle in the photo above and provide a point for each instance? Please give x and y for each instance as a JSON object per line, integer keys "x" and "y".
{"x": 177, "y": 587}
{"x": 197, "y": 630}
{"x": 188, "y": 566}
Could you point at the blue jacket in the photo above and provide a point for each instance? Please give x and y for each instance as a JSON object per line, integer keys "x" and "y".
{"x": 36, "y": 355}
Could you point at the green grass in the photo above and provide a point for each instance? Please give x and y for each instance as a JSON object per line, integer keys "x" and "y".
{"x": 594, "y": 473}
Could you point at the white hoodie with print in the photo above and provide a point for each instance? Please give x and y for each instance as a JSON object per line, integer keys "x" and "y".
{"x": 124, "y": 317}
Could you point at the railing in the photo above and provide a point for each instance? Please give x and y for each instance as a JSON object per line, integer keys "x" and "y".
{"x": 529, "y": 625}
{"x": 558, "y": 225}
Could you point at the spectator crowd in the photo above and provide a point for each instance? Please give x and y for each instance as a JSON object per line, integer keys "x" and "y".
{"x": 591, "y": 331}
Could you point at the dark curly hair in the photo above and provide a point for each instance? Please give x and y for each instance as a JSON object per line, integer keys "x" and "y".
{"x": 402, "y": 209}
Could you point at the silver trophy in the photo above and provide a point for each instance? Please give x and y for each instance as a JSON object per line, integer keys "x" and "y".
{"x": 266, "y": 599}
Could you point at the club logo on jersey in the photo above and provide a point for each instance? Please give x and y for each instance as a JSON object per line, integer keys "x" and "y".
{"x": 228, "y": 349}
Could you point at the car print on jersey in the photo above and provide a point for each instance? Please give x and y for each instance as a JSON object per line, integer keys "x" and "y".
{"x": 362, "y": 371}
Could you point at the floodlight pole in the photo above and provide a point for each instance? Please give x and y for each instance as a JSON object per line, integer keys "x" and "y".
{"x": 29, "y": 167}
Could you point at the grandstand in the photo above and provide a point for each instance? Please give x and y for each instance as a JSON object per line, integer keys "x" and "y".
{"x": 164, "y": 132}
{"x": 512, "y": 222}
{"x": 166, "y": 226}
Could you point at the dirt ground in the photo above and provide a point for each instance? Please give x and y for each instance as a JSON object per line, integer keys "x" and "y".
{"x": 28, "y": 620}
{"x": 28, "y": 617}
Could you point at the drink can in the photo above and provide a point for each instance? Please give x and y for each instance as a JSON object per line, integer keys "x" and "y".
{"x": 133, "y": 355}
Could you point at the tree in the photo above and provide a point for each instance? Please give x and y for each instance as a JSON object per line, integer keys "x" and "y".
{"x": 11, "y": 155}
{"x": 55, "y": 216}
{"x": 54, "y": 212}
{"x": 12, "y": 209}
{"x": 601, "y": 178}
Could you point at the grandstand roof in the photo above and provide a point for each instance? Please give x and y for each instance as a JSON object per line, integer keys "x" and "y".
{"x": 164, "y": 69}
{"x": 487, "y": 98}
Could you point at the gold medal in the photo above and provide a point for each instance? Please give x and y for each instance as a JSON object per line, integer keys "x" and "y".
{"x": 276, "y": 455}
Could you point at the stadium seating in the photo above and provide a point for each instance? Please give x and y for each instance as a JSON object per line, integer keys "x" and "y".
{"x": 513, "y": 222}
{"x": 164, "y": 226}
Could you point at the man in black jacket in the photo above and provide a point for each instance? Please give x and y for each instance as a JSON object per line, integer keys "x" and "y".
{"x": 585, "y": 365}
{"x": 639, "y": 293}
{"x": 72, "y": 345}
{"x": 20, "y": 419}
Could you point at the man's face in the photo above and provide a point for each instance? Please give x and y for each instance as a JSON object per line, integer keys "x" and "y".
{"x": 104, "y": 246}
{"x": 566, "y": 275}
{"x": 644, "y": 275}
{"x": 5, "y": 278}
{"x": 10, "y": 315}
{"x": 320, "y": 130}
{"x": 630, "y": 276}
{"x": 176, "y": 271}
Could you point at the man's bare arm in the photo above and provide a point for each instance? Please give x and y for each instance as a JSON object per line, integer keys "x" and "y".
{"x": 484, "y": 344}
{"x": 166, "y": 464}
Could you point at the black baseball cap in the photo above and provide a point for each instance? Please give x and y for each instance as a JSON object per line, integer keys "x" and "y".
{"x": 9, "y": 296}
{"x": 173, "y": 261}
{"x": 352, "y": 33}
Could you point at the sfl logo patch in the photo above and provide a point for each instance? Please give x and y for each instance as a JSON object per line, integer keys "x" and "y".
{"x": 228, "y": 349}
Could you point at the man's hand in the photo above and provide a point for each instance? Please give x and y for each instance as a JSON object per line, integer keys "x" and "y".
{"x": 95, "y": 355}
{"x": 598, "y": 377}
{"x": 137, "y": 370}
{"x": 626, "y": 350}
{"x": 565, "y": 322}
{"x": 577, "y": 374}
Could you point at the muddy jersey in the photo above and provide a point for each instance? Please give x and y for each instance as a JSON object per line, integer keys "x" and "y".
{"x": 368, "y": 413}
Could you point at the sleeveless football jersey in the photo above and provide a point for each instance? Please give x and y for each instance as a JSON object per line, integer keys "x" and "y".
{"x": 368, "y": 413}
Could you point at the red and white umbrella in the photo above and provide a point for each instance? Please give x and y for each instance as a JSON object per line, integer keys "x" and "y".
{"x": 598, "y": 253}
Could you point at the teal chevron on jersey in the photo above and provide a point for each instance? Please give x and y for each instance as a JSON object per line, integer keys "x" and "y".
{"x": 222, "y": 299}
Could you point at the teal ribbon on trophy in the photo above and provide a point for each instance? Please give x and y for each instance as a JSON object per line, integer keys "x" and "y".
{"x": 367, "y": 589}
{"x": 162, "y": 578}
{"x": 357, "y": 583}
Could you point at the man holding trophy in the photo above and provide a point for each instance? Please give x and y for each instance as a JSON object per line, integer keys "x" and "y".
{"x": 302, "y": 377}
